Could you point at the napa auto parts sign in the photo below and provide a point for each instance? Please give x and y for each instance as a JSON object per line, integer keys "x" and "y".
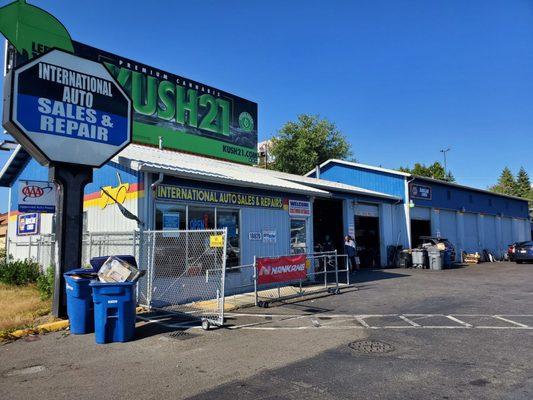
{"x": 281, "y": 269}
{"x": 67, "y": 109}
{"x": 36, "y": 196}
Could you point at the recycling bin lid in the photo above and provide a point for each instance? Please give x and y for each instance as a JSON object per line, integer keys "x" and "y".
{"x": 88, "y": 273}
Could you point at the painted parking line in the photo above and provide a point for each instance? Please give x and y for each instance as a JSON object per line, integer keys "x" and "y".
{"x": 368, "y": 321}
{"x": 271, "y": 322}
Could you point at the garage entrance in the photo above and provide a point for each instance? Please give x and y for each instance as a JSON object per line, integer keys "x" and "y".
{"x": 328, "y": 225}
{"x": 419, "y": 228}
{"x": 368, "y": 241}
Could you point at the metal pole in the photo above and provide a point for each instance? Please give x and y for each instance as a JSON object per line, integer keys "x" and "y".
{"x": 325, "y": 271}
{"x": 255, "y": 281}
{"x": 347, "y": 271}
{"x": 336, "y": 271}
{"x": 444, "y": 151}
{"x": 72, "y": 180}
{"x": 223, "y": 282}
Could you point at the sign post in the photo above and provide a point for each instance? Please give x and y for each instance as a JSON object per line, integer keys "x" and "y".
{"x": 69, "y": 113}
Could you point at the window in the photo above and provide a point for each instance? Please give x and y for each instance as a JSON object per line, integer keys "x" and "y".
{"x": 201, "y": 218}
{"x": 449, "y": 194}
{"x": 470, "y": 198}
{"x": 490, "y": 202}
{"x": 298, "y": 236}
{"x": 230, "y": 219}
{"x": 170, "y": 217}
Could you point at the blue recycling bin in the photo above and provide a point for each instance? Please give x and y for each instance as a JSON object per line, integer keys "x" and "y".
{"x": 114, "y": 311}
{"x": 80, "y": 307}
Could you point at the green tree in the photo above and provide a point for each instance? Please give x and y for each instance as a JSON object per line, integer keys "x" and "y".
{"x": 303, "y": 144}
{"x": 435, "y": 171}
{"x": 506, "y": 183}
{"x": 523, "y": 184}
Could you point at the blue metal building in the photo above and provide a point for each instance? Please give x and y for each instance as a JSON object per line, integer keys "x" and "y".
{"x": 471, "y": 219}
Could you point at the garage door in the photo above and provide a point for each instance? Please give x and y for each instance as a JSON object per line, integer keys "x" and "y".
{"x": 420, "y": 213}
{"x": 490, "y": 241}
{"x": 471, "y": 233}
{"x": 366, "y": 210}
{"x": 448, "y": 226}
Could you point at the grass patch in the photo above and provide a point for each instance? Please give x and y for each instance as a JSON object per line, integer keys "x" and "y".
{"x": 20, "y": 306}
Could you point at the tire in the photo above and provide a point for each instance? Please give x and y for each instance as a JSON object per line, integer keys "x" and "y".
{"x": 206, "y": 325}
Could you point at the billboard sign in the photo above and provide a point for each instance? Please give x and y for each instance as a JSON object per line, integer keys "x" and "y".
{"x": 281, "y": 269}
{"x": 63, "y": 108}
{"x": 188, "y": 115}
{"x": 36, "y": 196}
{"x": 420, "y": 192}
{"x": 28, "y": 224}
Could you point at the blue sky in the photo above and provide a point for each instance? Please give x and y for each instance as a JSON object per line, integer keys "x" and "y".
{"x": 401, "y": 79}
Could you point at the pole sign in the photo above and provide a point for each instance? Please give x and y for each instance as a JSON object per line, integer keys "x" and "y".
{"x": 28, "y": 224}
{"x": 36, "y": 196}
{"x": 281, "y": 269}
{"x": 63, "y": 108}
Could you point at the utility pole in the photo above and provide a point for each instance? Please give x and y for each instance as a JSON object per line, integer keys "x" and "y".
{"x": 444, "y": 151}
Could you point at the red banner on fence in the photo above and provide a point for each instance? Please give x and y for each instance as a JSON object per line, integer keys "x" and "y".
{"x": 281, "y": 269}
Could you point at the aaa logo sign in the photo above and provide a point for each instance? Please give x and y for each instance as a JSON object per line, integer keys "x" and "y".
{"x": 281, "y": 269}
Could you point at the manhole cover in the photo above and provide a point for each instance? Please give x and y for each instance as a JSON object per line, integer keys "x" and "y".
{"x": 181, "y": 335}
{"x": 371, "y": 346}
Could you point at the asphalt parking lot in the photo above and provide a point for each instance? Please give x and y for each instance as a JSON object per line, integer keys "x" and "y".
{"x": 464, "y": 333}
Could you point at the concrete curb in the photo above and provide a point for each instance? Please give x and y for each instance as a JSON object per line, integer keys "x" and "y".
{"x": 45, "y": 328}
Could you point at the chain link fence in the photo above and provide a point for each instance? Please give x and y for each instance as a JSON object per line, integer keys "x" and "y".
{"x": 185, "y": 273}
{"x": 42, "y": 248}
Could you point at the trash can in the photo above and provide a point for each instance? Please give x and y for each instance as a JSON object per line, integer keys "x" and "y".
{"x": 114, "y": 311}
{"x": 419, "y": 257}
{"x": 447, "y": 259}
{"x": 436, "y": 258}
{"x": 404, "y": 259}
{"x": 80, "y": 307}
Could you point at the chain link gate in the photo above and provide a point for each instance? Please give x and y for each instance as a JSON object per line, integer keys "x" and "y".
{"x": 185, "y": 273}
{"x": 322, "y": 273}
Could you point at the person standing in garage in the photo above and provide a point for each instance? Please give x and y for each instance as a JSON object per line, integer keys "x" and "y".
{"x": 349, "y": 249}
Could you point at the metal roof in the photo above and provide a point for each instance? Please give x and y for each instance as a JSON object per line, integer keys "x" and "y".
{"x": 13, "y": 166}
{"x": 329, "y": 185}
{"x": 358, "y": 165}
{"x": 190, "y": 166}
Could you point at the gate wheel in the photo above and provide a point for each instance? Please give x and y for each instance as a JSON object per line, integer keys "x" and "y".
{"x": 206, "y": 325}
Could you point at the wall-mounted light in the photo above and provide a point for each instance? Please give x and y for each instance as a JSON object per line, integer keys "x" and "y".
{"x": 463, "y": 209}
{"x": 411, "y": 204}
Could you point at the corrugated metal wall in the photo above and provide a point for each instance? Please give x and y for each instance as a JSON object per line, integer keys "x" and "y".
{"x": 448, "y": 226}
{"x": 490, "y": 241}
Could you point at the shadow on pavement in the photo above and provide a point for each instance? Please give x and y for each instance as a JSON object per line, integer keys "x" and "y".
{"x": 157, "y": 323}
{"x": 369, "y": 275}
